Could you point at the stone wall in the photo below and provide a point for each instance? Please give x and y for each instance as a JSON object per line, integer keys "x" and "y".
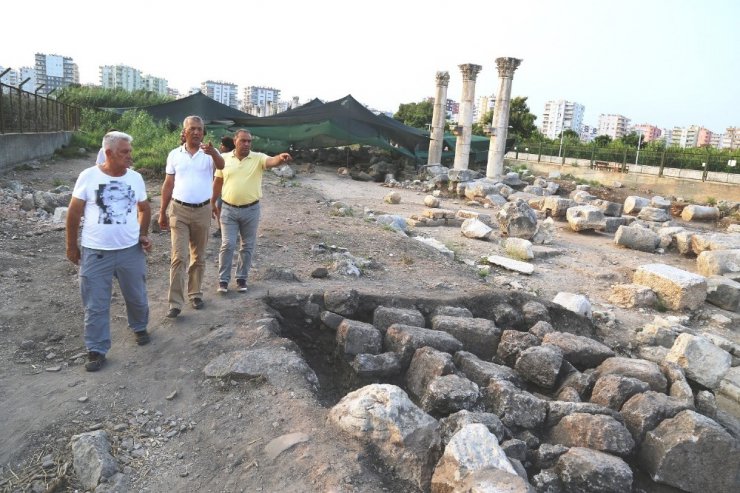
{"x": 19, "y": 148}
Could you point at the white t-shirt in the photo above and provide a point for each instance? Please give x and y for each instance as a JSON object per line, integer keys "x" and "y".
{"x": 193, "y": 175}
{"x": 111, "y": 213}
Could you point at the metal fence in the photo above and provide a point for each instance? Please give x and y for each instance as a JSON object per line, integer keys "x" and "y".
{"x": 26, "y": 112}
{"x": 707, "y": 160}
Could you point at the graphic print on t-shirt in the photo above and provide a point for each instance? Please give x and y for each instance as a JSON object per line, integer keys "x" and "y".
{"x": 116, "y": 200}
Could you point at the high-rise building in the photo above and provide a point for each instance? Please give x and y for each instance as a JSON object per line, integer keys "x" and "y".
{"x": 649, "y": 132}
{"x": 615, "y": 126}
{"x": 561, "y": 115}
{"x": 130, "y": 79}
{"x": 691, "y": 136}
{"x": 154, "y": 84}
{"x": 223, "y": 92}
{"x": 260, "y": 101}
{"x": 120, "y": 77}
{"x": 55, "y": 72}
{"x": 704, "y": 137}
{"x": 9, "y": 79}
{"x": 485, "y": 104}
{"x": 588, "y": 133}
{"x": 731, "y": 138}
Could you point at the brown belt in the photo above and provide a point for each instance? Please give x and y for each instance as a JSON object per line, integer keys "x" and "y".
{"x": 241, "y": 206}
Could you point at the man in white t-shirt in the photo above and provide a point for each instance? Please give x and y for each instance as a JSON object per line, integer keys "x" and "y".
{"x": 112, "y": 198}
{"x": 187, "y": 185}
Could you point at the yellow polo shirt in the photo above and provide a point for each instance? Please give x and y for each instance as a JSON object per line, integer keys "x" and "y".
{"x": 242, "y": 178}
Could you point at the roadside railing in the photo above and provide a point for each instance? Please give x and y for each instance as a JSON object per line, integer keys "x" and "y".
{"x": 26, "y": 112}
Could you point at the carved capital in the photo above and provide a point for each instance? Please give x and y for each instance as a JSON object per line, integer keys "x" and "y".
{"x": 443, "y": 79}
{"x": 507, "y": 66}
{"x": 469, "y": 71}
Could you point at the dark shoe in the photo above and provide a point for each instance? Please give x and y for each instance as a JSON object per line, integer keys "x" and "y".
{"x": 217, "y": 233}
{"x": 95, "y": 361}
{"x": 142, "y": 337}
{"x": 173, "y": 313}
{"x": 197, "y": 303}
{"x": 241, "y": 285}
{"x": 223, "y": 287}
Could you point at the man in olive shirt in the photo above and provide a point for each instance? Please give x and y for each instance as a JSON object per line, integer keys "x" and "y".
{"x": 239, "y": 184}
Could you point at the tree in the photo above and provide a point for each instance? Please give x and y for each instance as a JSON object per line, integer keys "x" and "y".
{"x": 479, "y": 128}
{"x": 602, "y": 140}
{"x": 521, "y": 120}
{"x": 631, "y": 139}
{"x": 570, "y": 134}
{"x": 418, "y": 115}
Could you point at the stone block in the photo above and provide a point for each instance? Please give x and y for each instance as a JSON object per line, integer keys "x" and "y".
{"x": 676, "y": 288}
{"x": 724, "y": 293}
{"x": 718, "y": 262}
{"x": 632, "y": 296}
{"x": 702, "y": 361}
{"x": 636, "y": 237}
{"x": 384, "y": 317}
{"x": 355, "y": 337}
{"x": 479, "y": 336}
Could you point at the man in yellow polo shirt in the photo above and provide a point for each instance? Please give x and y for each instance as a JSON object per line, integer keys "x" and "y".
{"x": 239, "y": 184}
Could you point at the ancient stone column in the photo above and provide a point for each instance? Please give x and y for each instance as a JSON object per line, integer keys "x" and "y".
{"x": 500, "y": 124}
{"x": 438, "y": 119}
{"x": 464, "y": 127}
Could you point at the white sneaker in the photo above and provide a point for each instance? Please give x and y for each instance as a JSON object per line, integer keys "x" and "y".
{"x": 241, "y": 285}
{"x": 223, "y": 287}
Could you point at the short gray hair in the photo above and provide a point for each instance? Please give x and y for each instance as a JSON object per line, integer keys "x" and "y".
{"x": 112, "y": 139}
{"x": 193, "y": 117}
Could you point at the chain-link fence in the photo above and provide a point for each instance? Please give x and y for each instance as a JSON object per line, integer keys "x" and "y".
{"x": 25, "y": 112}
{"x": 701, "y": 159}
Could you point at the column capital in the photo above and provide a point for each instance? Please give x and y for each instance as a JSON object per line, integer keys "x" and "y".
{"x": 469, "y": 71}
{"x": 443, "y": 78}
{"x": 506, "y": 66}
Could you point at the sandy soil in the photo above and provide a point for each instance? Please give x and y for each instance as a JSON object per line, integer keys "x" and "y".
{"x": 176, "y": 430}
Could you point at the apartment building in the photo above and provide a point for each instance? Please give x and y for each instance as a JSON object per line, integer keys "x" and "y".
{"x": 649, "y": 132}
{"x": 588, "y": 133}
{"x": 55, "y": 72}
{"x": 485, "y": 104}
{"x": 223, "y": 92}
{"x": 691, "y": 136}
{"x": 731, "y": 138}
{"x": 615, "y": 126}
{"x": 10, "y": 78}
{"x": 260, "y": 101}
{"x": 15, "y": 77}
{"x": 120, "y": 77}
{"x": 155, "y": 84}
{"x": 560, "y": 115}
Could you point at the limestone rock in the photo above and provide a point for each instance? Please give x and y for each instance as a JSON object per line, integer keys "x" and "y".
{"x": 598, "y": 432}
{"x": 613, "y": 391}
{"x": 676, "y": 288}
{"x": 540, "y": 365}
{"x": 471, "y": 449}
{"x": 643, "y": 412}
{"x": 406, "y": 437}
{"x": 384, "y": 317}
{"x": 92, "y": 459}
{"x": 641, "y": 369}
{"x": 585, "y": 470}
{"x": 581, "y": 352}
{"x": 702, "y": 361}
{"x": 693, "y": 453}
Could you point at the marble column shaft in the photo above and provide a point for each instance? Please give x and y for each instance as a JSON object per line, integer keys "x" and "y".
{"x": 497, "y": 146}
{"x": 439, "y": 115}
{"x": 465, "y": 117}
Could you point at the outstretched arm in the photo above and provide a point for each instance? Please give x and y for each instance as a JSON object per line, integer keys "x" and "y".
{"x": 277, "y": 160}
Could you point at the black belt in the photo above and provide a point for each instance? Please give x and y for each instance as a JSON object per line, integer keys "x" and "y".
{"x": 241, "y": 206}
{"x": 194, "y": 206}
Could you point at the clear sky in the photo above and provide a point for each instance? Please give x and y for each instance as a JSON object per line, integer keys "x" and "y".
{"x": 663, "y": 62}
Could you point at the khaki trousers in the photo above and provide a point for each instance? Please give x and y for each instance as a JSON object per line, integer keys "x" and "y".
{"x": 189, "y": 232}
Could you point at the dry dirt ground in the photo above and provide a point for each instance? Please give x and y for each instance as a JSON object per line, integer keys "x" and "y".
{"x": 173, "y": 429}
